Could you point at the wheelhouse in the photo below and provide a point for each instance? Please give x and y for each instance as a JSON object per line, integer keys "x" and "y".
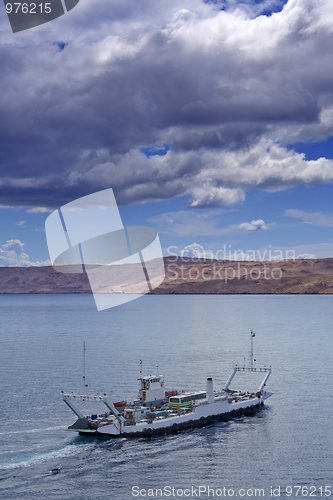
{"x": 151, "y": 389}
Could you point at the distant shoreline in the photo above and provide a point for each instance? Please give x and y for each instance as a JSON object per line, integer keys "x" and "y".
{"x": 191, "y": 277}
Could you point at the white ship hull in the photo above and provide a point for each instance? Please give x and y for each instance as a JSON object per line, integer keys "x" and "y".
{"x": 202, "y": 414}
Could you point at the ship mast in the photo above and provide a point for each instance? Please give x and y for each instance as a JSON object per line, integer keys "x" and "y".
{"x": 252, "y": 335}
{"x": 84, "y": 369}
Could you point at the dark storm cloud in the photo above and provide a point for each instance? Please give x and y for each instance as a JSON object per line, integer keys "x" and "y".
{"x": 229, "y": 137}
{"x": 225, "y": 90}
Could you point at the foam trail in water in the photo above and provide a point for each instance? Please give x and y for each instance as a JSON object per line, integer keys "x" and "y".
{"x": 30, "y": 431}
{"x": 69, "y": 450}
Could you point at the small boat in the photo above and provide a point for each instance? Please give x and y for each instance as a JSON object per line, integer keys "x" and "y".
{"x": 120, "y": 404}
{"x": 157, "y": 411}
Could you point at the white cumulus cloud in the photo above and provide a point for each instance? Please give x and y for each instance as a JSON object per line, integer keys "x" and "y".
{"x": 306, "y": 256}
{"x": 12, "y": 255}
{"x": 196, "y": 251}
{"x": 255, "y": 225}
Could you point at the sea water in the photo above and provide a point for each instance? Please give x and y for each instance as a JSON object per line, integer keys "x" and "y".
{"x": 284, "y": 450}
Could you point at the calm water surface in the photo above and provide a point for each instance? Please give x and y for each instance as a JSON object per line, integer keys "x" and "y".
{"x": 288, "y": 443}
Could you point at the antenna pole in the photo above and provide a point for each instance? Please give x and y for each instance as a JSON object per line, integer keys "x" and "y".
{"x": 84, "y": 368}
{"x": 140, "y": 366}
{"x": 251, "y": 349}
{"x": 252, "y": 335}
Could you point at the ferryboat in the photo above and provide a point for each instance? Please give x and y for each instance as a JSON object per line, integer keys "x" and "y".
{"x": 157, "y": 411}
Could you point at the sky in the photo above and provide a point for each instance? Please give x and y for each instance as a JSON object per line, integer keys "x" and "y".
{"x": 212, "y": 121}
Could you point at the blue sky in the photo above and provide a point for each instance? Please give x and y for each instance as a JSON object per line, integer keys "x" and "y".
{"x": 212, "y": 122}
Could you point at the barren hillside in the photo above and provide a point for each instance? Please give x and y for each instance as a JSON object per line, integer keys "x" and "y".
{"x": 190, "y": 276}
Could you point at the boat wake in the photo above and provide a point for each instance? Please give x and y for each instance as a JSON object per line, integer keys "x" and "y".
{"x": 31, "y": 431}
{"x": 67, "y": 451}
